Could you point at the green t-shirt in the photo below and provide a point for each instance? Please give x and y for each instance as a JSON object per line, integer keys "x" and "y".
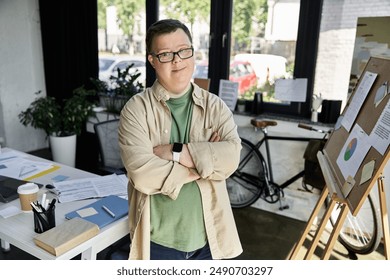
{"x": 179, "y": 223}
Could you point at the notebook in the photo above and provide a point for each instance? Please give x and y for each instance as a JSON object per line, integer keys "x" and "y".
{"x": 103, "y": 211}
{"x": 66, "y": 236}
{"x": 9, "y": 188}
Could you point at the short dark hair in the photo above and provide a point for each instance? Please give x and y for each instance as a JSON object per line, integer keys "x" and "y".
{"x": 164, "y": 26}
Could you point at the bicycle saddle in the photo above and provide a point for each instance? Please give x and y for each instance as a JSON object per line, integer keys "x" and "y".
{"x": 262, "y": 123}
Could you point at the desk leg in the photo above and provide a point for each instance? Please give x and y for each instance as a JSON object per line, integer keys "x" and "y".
{"x": 5, "y": 246}
{"x": 89, "y": 254}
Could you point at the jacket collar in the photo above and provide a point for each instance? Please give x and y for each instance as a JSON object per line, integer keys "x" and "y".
{"x": 161, "y": 94}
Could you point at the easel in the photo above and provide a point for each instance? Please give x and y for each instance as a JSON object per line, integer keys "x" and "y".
{"x": 340, "y": 219}
{"x": 351, "y": 191}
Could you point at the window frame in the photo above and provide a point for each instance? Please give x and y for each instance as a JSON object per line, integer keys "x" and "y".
{"x": 221, "y": 13}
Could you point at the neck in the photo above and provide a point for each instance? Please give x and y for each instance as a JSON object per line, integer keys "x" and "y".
{"x": 179, "y": 94}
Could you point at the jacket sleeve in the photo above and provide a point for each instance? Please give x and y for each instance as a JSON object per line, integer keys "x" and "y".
{"x": 217, "y": 160}
{"x": 138, "y": 134}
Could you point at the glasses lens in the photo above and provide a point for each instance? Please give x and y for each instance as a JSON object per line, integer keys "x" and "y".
{"x": 186, "y": 53}
{"x": 165, "y": 57}
{"x": 169, "y": 56}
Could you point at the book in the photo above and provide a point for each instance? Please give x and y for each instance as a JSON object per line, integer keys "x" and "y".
{"x": 66, "y": 236}
{"x": 103, "y": 211}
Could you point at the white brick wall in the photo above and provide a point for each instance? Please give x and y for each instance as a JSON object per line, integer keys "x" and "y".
{"x": 336, "y": 43}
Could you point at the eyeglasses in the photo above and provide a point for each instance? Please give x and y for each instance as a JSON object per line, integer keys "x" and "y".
{"x": 170, "y": 56}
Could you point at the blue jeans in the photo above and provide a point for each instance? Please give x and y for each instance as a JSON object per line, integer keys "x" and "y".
{"x": 159, "y": 252}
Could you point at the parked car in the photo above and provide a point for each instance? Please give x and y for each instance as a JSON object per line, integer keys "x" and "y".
{"x": 240, "y": 71}
{"x": 267, "y": 67}
{"x": 108, "y": 67}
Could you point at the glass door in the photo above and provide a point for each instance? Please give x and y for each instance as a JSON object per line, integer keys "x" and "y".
{"x": 264, "y": 35}
{"x": 121, "y": 38}
{"x": 196, "y": 16}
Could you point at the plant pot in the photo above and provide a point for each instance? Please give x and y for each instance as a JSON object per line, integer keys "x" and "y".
{"x": 241, "y": 107}
{"x": 113, "y": 104}
{"x": 63, "y": 149}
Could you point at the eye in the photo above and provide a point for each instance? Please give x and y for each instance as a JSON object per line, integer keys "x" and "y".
{"x": 165, "y": 54}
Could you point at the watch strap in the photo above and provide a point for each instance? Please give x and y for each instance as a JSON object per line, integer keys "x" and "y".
{"x": 176, "y": 156}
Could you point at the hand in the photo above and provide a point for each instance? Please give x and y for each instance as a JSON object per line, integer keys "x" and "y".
{"x": 165, "y": 151}
{"x": 215, "y": 137}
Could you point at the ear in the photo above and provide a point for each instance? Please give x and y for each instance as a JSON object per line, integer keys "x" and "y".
{"x": 151, "y": 60}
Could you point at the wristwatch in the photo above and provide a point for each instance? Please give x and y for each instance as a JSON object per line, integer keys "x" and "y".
{"x": 176, "y": 151}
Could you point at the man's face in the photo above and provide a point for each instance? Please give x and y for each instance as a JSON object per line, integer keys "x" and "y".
{"x": 176, "y": 75}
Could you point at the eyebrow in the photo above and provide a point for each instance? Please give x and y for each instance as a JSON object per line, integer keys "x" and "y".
{"x": 169, "y": 50}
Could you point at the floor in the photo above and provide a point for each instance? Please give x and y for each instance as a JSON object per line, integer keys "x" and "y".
{"x": 264, "y": 236}
{"x": 265, "y": 233}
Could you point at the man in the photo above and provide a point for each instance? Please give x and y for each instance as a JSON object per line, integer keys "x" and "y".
{"x": 178, "y": 144}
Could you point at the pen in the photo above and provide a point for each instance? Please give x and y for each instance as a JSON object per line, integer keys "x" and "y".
{"x": 34, "y": 207}
{"x": 43, "y": 201}
{"x": 108, "y": 211}
{"x": 51, "y": 205}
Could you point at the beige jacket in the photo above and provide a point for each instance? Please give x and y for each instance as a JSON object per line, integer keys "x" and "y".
{"x": 145, "y": 122}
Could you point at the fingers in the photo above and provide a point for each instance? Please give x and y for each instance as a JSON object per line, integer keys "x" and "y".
{"x": 215, "y": 137}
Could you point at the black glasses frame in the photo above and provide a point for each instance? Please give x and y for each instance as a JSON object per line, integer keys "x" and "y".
{"x": 173, "y": 54}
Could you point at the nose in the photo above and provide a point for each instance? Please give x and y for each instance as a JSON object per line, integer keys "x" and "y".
{"x": 176, "y": 57}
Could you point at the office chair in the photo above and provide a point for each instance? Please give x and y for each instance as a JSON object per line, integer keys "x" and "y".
{"x": 111, "y": 162}
{"x": 119, "y": 250}
{"x": 110, "y": 159}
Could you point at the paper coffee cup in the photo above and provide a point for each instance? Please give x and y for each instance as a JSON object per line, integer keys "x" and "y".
{"x": 27, "y": 193}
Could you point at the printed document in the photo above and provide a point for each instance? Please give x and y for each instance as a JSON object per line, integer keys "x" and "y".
{"x": 380, "y": 135}
{"x": 72, "y": 190}
{"x": 358, "y": 99}
{"x": 352, "y": 154}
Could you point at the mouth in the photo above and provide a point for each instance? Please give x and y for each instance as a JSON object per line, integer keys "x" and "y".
{"x": 177, "y": 70}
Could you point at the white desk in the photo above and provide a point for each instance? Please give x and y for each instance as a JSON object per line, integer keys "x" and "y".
{"x": 19, "y": 229}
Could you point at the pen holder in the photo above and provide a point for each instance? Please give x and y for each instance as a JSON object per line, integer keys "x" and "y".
{"x": 44, "y": 220}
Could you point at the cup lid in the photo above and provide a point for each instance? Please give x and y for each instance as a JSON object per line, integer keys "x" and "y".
{"x": 28, "y": 188}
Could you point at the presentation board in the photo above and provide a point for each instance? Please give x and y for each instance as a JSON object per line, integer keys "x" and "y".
{"x": 357, "y": 150}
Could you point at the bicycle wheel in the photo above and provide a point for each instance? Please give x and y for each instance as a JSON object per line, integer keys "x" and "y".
{"x": 245, "y": 184}
{"x": 360, "y": 234}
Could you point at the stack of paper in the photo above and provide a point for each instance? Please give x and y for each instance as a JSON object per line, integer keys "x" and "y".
{"x": 95, "y": 187}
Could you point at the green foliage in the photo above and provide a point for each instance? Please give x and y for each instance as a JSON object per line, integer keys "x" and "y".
{"x": 268, "y": 91}
{"x": 59, "y": 119}
{"x": 246, "y": 13}
{"x": 101, "y": 13}
{"x": 121, "y": 88}
{"x": 127, "y": 11}
{"x": 187, "y": 11}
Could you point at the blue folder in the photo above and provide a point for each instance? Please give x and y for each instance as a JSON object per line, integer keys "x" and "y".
{"x": 115, "y": 204}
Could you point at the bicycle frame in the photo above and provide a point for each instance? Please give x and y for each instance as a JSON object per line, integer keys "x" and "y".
{"x": 265, "y": 140}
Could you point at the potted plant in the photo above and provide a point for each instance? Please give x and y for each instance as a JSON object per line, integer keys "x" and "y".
{"x": 61, "y": 121}
{"x": 114, "y": 94}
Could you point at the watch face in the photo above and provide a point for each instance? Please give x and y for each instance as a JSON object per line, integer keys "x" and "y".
{"x": 177, "y": 147}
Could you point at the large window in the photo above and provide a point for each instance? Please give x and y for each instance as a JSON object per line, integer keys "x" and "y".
{"x": 121, "y": 37}
{"x": 264, "y": 34}
{"x": 252, "y": 42}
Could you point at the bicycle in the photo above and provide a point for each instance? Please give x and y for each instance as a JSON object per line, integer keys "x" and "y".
{"x": 253, "y": 179}
{"x": 360, "y": 234}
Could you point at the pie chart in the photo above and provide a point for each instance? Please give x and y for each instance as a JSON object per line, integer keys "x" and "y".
{"x": 350, "y": 149}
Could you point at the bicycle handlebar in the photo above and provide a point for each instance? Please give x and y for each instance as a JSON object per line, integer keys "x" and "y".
{"x": 308, "y": 127}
